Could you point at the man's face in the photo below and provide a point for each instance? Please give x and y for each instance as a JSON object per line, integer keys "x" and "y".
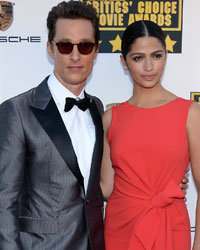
{"x": 72, "y": 69}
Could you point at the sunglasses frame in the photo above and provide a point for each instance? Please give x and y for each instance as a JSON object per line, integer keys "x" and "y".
{"x": 78, "y": 46}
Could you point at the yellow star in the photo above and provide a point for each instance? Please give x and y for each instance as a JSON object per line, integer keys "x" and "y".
{"x": 170, "y": 43}
{"x": 116, "y": 43}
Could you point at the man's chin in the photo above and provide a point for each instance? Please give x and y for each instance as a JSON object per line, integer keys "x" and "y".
{"x": 74, "y": 86}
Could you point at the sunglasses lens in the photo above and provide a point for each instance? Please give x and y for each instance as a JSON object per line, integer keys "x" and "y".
{"x": 85, "y": 48}
{"x": 65, "y": 48}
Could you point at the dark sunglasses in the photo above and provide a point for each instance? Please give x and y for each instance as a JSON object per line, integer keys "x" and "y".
{"x": 84, "y": 48}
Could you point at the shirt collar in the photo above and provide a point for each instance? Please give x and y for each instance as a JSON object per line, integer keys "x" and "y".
{"x": 59, "y": 92}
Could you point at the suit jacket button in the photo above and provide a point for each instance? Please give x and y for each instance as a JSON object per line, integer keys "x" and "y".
{"x": 87, "y": 202}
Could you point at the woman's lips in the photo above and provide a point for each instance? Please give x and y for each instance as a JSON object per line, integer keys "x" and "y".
{"x": 148, "y": 77}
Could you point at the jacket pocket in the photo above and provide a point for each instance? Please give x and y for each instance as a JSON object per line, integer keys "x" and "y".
{"x": 39, "y": 226}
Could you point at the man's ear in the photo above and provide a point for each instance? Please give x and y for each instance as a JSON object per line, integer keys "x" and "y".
{"x": 96, "y": 51}
{"x": 50, "y": 50}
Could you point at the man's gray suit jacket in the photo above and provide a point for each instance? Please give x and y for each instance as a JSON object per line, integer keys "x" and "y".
{"x": 43, "y": 204}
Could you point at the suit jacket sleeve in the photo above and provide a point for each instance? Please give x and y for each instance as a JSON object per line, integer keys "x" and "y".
{"x": 12, "y": 162}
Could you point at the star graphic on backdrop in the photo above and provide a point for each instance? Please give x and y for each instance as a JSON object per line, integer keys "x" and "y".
{"x": 170, "y": 43}
{"x": 116, "y": 43}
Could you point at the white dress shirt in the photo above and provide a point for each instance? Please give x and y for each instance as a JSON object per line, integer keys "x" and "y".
{"x": 79, "y": 125}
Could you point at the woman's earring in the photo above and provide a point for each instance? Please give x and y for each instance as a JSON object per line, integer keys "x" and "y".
{"x": 125, "y": 67}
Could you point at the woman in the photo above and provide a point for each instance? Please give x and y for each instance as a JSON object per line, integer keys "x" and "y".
{"x": 148, "y": 143}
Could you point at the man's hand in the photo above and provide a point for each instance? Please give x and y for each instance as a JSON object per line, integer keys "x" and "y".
{"x": 184, "y": 184}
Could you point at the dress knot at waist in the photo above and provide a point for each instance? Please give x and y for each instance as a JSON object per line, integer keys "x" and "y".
{"x": 154, "y": 222}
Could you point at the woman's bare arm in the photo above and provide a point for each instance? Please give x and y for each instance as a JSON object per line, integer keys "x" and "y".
{"x": 107, "y": 172}
{"x": 193, "y": 130}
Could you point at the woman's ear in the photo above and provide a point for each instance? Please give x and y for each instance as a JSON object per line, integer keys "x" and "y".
{"x": 166, "y": 54}
{"x": 123, "y": 62}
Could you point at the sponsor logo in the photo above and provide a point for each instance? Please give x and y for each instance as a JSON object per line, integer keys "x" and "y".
{"x": 6, "y": 19}
{"x": 19, "y": 39}
{"x": 195, "y": 96}
{"x": 6, "y": 15}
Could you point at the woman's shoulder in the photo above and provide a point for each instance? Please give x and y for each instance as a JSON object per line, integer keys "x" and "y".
{"x": 194, "y": 109}
{"x": 183, "y": 100}
{"x": 194, "y": 115}
{"x": 113, "y": 107}
{"x": 107, "y": 118}
{"x": 108, "y": 114}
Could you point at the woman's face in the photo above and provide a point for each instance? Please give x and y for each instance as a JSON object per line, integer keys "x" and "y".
{"x": 145, "y": 62}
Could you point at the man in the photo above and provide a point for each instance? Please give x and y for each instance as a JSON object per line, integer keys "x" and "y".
{"x": 50, "y": 150}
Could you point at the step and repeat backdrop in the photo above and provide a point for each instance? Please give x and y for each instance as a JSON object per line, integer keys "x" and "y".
{"x": 24, "y": 62}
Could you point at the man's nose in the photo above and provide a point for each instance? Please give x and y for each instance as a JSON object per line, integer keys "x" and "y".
{"x": 75, "y": 54}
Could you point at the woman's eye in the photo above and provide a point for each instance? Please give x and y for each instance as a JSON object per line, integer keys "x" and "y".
{"x": 137, "y": 58}
{"x": 157, "y": 56}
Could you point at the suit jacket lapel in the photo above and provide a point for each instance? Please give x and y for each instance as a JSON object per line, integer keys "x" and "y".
{"x": 46, "y": 112}
{"x": 98, "y": 147}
